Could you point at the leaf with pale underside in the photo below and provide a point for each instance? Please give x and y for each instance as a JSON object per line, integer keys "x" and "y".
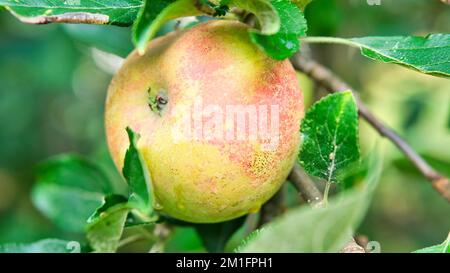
{"x": 108, "y": 202}
{"x": 117, "y": 12}
{"x": 329, "y": 134}
{"x": 105, "y": 230}
{"x": 429, "y": 54}
{"x": 136, "y": 173}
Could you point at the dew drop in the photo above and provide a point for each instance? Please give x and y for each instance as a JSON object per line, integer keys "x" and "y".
{"x": 157, "y": 204}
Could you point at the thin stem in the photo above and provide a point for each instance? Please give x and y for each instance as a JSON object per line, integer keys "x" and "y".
{"x": 146, "y": 233}
{"x": 325, "y": 194}
{"x": 304, "y": 185}
{"x": 329, "y": 40}
{"x": 311, "y": 194}
{"x": 131, "y": 239}
{"x": 324, "y": 77}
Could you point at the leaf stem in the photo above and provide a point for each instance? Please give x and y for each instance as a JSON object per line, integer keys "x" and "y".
{"x": 329, "y": 40}
{"x": 325, "y": 194}
{"x": 131, "y": 239}
{"x": 309, "y": 192}
{"x": 304, "y": 185}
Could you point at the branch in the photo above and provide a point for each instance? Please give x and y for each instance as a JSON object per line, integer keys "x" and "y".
{"x": 305, "y": 186}
{"x": 332, "y": 83}
{"x": 309, "y": 192}
{"x": 68, "y": 17}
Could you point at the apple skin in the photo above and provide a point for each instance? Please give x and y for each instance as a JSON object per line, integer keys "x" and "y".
{"x": 200, "y": 180}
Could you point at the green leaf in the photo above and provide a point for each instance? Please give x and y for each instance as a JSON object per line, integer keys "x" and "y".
{"x": 108, "y": 202}
{"x": 136, "y": 173}
{"x": 68, "y": 189}
{"x": 115, "y": 12}
{"x": 307, "y": 229}
{"x": 441, "y": 248}
{"x": 106, "y": 230}
{"x": 264, "y": 11}
{"x": 252, "y": 236}
{"x": 154, "y": 14}
{"x": 429, "y": 55}
{"x": 43, "y": 246}
{"x": 135, "y": 219}
{"x": 285, "y": 42}
{"x": 215, "y": 236}
{"x": 329, "y": 135}
{"x": 301, "y": 4}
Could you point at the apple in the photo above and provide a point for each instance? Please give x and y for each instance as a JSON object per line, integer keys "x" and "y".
{"x": 219, "y": 120}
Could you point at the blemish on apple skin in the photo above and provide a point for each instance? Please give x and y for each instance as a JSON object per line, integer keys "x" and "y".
{"x": 161, "y": 100}
{"x": 157, "y": 102}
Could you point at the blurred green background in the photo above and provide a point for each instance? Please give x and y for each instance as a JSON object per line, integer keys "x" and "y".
{"x": 53, "y": 82}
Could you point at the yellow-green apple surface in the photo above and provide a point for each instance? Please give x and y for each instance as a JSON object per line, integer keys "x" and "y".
{"x": 219, "y": 120}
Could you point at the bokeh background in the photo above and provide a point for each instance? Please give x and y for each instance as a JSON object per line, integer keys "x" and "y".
{"x": 53, "y": 82}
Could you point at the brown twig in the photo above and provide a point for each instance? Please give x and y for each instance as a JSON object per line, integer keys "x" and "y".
{"x": 324, "y": 77}
{"x": 305, "y": 186}
{"x": 309, "y": 192}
